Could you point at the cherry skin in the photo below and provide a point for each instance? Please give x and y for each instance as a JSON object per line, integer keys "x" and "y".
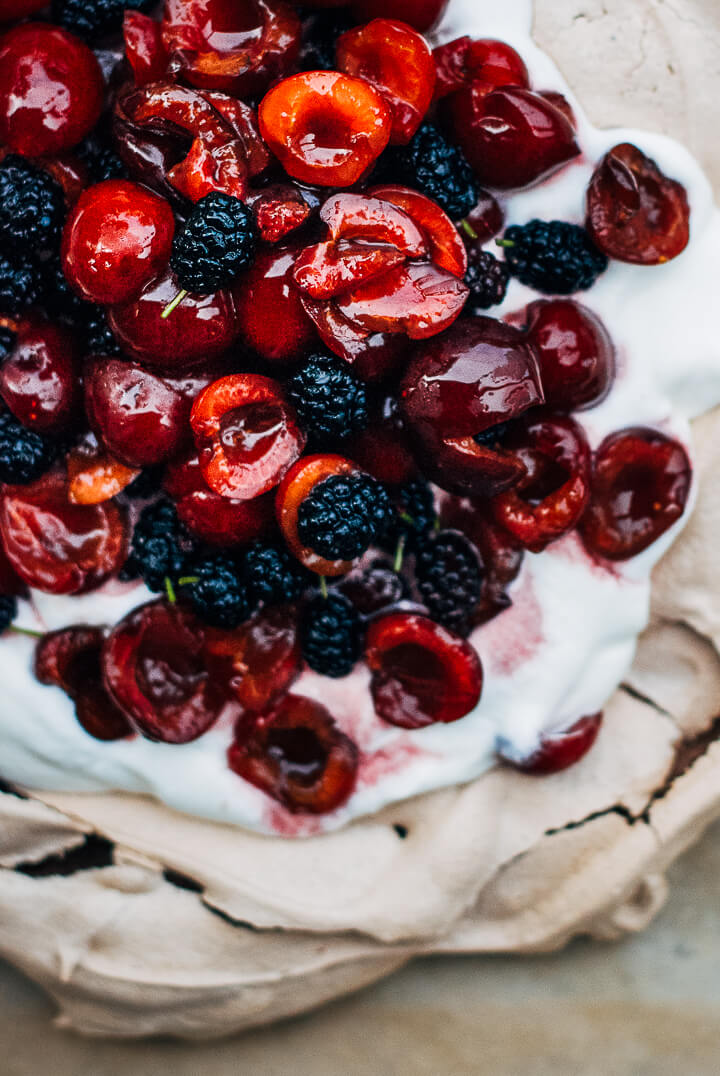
{"x": 335, "y": 267}
{"x": 219, "y": 521}
{"x": 560, "y": 749}
{"x": 373, "y": 220}
{"x": 51, "y": 89}
{"x": 485, "y": 221}
{"x": 70, "y": 659}
{"x": 39, "y": 380}
{"x": 640, "y": 487}
{"x": 417, "y": 299}
{"x": 298, "y": 484}
{"x": 260, "y": 660}
{"x": 576, "y": 355}
{"x": 325, "y": 128}
{"x": 445, "y": 248}
{"x": 117, "y": 238}
{"x": 420, "y": 14}
{"x": 144, "y": 47}
{"x": 56, "y": 546}
{"x": 10, "y": 10}
{"x": 464, "y": 61}
{"x": 271, "y": 317}
{"x": 200, "y": 328}
{"x": 422, "y": 673}
{"x": 154, "y": 669}
{"x": 297, "y": 755}
{"x": 384, "y": 449}
{"x": 372, "y": 355}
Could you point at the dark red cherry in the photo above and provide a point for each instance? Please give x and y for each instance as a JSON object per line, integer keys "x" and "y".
{"x": 260, "y": 660}
{"x": 640, "y": 487}
{"x": 372, "y": 355}
{"x": 270, "y": 312}
{"x": 558, "y": 750}
{"x": 217, "y": 520}
{"x": 512, "y": 137}
{"x": 485, "y": 222}
{"x": 421, "y": 673}
{"x": 576, "y": 355}
{"x": 51, "y": 89}
{"x": 70, "y": 659}
{"x": 200, "y": 328}
{"x": 39, "y": 380}
{"x": 19, "y": 9}
{"x": 417, "y": 299}
{"x": 116, "y": 239}
{"x": 463, "y": 61}
{"x": 384, "y": 449}
{"x": 420, "y": 14}
{"x": 56, "y": 546}
{"x": 297, "y": 754}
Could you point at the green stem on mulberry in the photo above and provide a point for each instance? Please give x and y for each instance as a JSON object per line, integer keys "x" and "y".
{"x": 468, "y": 229}
{"x": 188, "y": 580}
{"x": 399, "y": 554}
{"x": 26, "y": 631}
{"x": 173, "y": 303}
{"x": 323, "y": 586}
{"x": 170, "y": 590}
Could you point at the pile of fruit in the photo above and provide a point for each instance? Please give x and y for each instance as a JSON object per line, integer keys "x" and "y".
{"x": 246, "y": 357}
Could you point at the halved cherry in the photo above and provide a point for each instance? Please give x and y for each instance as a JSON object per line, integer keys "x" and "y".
{"x": 421, "y": 672}
{"x": 512, "y": 137}
{"x": 635, "y": 213}
{"x": 421, "y": 14}
{"x": 325, "y": 128}
{"x": 93, "y": 479}
{"x": 298, "y": 483}
{"x": 217, "y": 520}
{"x": 297, "y": 754}
{"x": 260, "y": 660}
{"x": 154, "y": 669}
{"x": 466, "y": 466}
{"x": 247, "y": 435}
{"x": 70, "y": 659}
{"x": 10, "y": 581}
{"x": 144, "y": 47}
{"x": 397, "y": 60}
{"x": 39, "y": 380}
{"x": 372, "y": 355}
{"x": 576, "y": 354}
{"x": 271, "y": 317}
{"x": 446, "y": 248}
{"x": 640, "y": 487}
{"x": 376, "y": 220}
{"x": 551, "y": 497}
{"x": 464, "y": 61}
{"x": 417, "y": 299}
{"x": 558, "y": 749}
{"x": 332, "y": 268}
{"x": 56, "y": 546}
{"x": 278, "y": 211}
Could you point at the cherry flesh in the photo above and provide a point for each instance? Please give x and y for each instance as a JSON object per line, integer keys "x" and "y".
{"x": 445, "y": 247}
{"x": 417, "y": 299}
{"x": 640, "y": 487}
{"x": 463, "y": 61}
{"x": 575, "y": 352}
{"x": 144, "y": 47}
{"x": 94, "y": 476}
{"x": 372, "y": 355}
{"x": 374, "y": 220}
{"x": 298, "y": 483}
{"x": 333, "y": 268}
{"x": 558, "y": 750}
{"x": 219, "y": 521}
{"x": 260, "y": 660}
{"x": 39, "y": 379}
{"x": 270, "y": 313}
{"x": 279, "y": 210}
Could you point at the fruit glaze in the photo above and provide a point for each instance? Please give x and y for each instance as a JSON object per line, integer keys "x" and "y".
{"x": 346, "y": 382}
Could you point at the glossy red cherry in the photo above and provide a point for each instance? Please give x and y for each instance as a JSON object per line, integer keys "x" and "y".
{"x": 372, "y": 355}
{"x": 551, "y": 497}
{"x": 70, "y": 659}
{"x": 260, "y": 660}
{"x": 446, "y": 248}
{"x": 279, "y": 210}
{"x": 559, "y": 749}
{"x": 57, "y": 546}
{"x": 635, "y": 213}
{"x": 325, "y": 128}
{"x": 640, "y": 487}
{"x": 39, "y": 380}
{"x": 200, "y": 328}
{"x": 464, "y": 61}
{"x": 373, "y": 220}
{"x": 575, "y": 352}
{"x": 421, "y": 14}
{"x": 384, "y": 449}
{"x": 247, "y": 435}
{"x": 417, "y": 299}
{"x": 19, "y": 9}
{"x": 297, "y": 755}
{"x": 398, "y": 62}
{"x": 271, "y": 317}
{"x": 335, "y": 267}
{"x": 51, "y": 89}
{"x": 144, "y": 47}
{"x": 298, "y": 483}
{"x": 116, "y": 239}
{"x": 421, "y": 673}
{"x": 512, "y": 137}
{"x": 154, "y": 669}
{"x": 486, "y": 220}
{"x": 238, "y": 46}
{"x": 219, "y": 521}
{"x": 94, "y": 476}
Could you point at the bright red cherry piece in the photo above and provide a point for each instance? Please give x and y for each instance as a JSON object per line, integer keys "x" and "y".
{"x": 397, "y": 60}
{"x": 635, "y": 213}
{"x": 39, "y": 380}
{"x": 154, "y": 669}
{"x": 247, "y": 435}
{"x": 56, "y": 546}
{"x": 640, "y": 486}
{"x": 576, "y": 355}
{"x": 560, "y": 749}
{"x": 144, "y": 47}
{"x": 420, "y": 14}
{"x": 417, "y": 299}
{"x": 279, "y": 210}
{"x": 335, "y": 267}
{"x": 70, "y": 659}
{"x": 51, "y": 89}
{"x": 373, "y": 220}
{"x": 271, "y": 317}
{"x": 372, "y": 355}
{"x": 219, "y": 521}
{"x": 117, "y": 238}
{"x": 421, "y": 673}
{"x": 260, "y": 660}
{"x": 463, "y": 61}
{"x": 94, "y": 476}
{"x": 512, "y": 137}
{"x": 325, "y": 128}
{"x": 550, "y": 498}
{"x": 298, "y": 484}
{"x": 297, "y": 755}
{"x": 446, "y": 248}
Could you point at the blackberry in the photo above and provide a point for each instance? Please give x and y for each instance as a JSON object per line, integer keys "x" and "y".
{"x": 487, "y": 277}
{"x": 330, "y": 636}
{"x": 343, "y": 516}
{"x": 24, "y": 454}
{"x": 7, "y": 342}
{"x": 330, "y": 401}
{"x": 434, "y": 166}
{"x": 20, "y": 282}
{"x": 159, "y": 549}
{"x": 8, "y": 611}
{"x": 217, "y": 592}
{"x": 273, "y": 575}
{"x": 553, "y": 256}
{"x": 321, "y": 29}
{"x": 99, "y": 157}
{"x": 415, "y": 513}
{"x": 493, "y": 435}
{"x": 94, "y": 19}
{"x": 59, "y": 298}
{"x": 217, "y": 241}
{"x": 97, "y": 335}
{"x": 449, "y": 576}
{"x": 147, "y": 484}
{"x": 32, "y": 205}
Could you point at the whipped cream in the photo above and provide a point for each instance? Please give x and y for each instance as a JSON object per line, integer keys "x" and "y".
{"x": 568, "y": 639}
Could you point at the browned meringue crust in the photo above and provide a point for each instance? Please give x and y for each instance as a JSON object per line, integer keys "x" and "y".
{"x": 140, "y": 921}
